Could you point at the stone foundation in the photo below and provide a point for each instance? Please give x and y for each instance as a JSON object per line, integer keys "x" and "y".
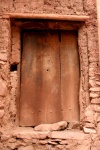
{"x": 28, "y": 139}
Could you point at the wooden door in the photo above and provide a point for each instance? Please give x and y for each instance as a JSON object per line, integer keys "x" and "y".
{"x": 49, "y": 78}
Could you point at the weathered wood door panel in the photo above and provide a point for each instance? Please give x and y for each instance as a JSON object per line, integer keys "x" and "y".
{"x": 40, "y": 80}
{"x": 69, "y": 76}
{"x": 49, "y": 78}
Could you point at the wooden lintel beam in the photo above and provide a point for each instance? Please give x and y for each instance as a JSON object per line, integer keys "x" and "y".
{"x": 48, "y": 16}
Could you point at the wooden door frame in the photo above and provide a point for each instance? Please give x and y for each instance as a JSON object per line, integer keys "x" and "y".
{"x": 78, "y": 25}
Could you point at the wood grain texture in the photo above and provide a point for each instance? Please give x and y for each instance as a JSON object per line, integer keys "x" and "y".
{"x": 49, "y": 77}
{"x": 48, "y": 16}
{"x": 40, "y": 82}
{"x": 48, "y": 25}
{"x": 69, "y": 76}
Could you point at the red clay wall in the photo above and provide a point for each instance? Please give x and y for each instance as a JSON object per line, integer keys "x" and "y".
{"x": 12, "y": 137}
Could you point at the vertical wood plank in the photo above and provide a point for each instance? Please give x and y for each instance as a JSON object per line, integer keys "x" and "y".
{"x": 40, "y": 81}
{"x": 69, "y": 76}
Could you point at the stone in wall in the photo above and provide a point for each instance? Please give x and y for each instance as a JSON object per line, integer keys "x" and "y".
{"x": 15, "y": 57}
{"x": 3, "y": 88}
{"x": 52, "y": 127}
{"x": 28, "y": 138}
{"x": 13, "y": 92}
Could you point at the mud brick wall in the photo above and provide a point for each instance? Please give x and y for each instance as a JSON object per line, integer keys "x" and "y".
{"x": 13, "y": 138}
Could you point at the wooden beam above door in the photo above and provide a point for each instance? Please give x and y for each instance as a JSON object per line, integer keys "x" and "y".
{"x": 48, "y": 16}
{"x": 46, "y": 24}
